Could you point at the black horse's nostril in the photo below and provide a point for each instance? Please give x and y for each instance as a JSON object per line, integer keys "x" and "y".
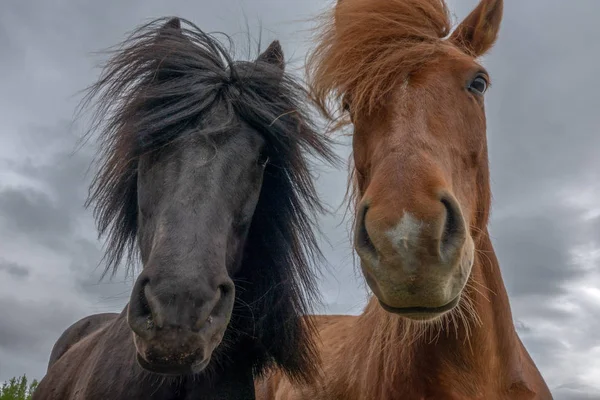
{"x": 362, "y": 240}
{"x": 140, "y": 315}
{"x": 454, "y": 232}
{"x": 226, "y": 294}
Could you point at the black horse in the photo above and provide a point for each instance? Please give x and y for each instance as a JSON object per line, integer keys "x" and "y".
{"x": 205, "y": 177}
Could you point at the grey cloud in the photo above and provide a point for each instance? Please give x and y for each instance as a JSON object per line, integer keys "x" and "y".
{"x": 594, "y": 230}
{"x": 14, "y": 269}
{"x": 576, "y": 391}
{"x": 86, "y": 267}
{"x": 541, "y": 111}
{"x": 534, "y": 252}
{"x": 51, "y": 211}
{"x": 33, "y": 213}
{"x": 30, "y": 326}
{"x": 543, "y": 348}
{"x": 7, "y": 46}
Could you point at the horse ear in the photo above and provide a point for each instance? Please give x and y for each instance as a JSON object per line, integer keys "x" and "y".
{"x": 477, "y": 33}
{"x": 172, "y": 26}
{"x": 273, "y": 55}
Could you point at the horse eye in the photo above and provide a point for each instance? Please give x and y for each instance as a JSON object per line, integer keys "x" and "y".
{"x": 346, "y": 103}
{"x": 478, "y": 85}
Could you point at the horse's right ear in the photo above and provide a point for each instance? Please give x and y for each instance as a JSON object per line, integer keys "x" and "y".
{"x": 273, "y": 55}
{"x": 172, "y": 26}
{"x": 478, "y": 32}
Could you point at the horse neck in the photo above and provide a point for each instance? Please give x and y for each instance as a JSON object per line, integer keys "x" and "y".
{"x": 468, "y": 352}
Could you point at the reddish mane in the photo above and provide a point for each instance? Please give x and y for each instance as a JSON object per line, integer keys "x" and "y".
{"x": 374, "y": 45}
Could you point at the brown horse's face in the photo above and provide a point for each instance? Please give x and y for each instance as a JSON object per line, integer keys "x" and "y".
{"x": 421, "y": 165}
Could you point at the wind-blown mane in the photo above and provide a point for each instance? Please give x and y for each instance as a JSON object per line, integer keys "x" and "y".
{"x": 374, "y": 45}
{"x": 164, "y": 85}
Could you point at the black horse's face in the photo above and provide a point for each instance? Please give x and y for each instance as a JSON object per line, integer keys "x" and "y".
{"x": 196, "y": 199}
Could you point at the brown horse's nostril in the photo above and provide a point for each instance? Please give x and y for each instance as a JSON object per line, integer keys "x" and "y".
{"x": 454, "y": 231}
{"x": 362, "y": 241}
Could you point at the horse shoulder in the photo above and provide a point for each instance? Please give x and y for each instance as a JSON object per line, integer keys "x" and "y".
{"x": 71, "y": 364}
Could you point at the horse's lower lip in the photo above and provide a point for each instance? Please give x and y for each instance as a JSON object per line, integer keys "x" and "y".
{"x": 166, "y": 369}
{"x": 421, "y": 310}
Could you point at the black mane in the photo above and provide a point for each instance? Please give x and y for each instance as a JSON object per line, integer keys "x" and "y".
{"x": 160, "y": 86}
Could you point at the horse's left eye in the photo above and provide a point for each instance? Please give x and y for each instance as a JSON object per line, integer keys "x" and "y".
{"x": 478, "y": 85}
{"x": 346, "y": 103}
{"x": 346, "y": 106}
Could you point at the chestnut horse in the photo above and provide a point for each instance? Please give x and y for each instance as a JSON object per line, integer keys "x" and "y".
{"x": 205, "y": 174}
{"x": 439, "y": 325}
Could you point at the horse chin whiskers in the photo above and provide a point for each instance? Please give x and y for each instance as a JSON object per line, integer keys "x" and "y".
{"x": 460, "y": 322}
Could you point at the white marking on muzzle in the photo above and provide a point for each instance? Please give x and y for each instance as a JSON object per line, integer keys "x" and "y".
{"x": 405, "y": 239}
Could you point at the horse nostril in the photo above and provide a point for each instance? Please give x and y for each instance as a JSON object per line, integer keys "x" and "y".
{"x": 363, "y": 242}
{"x": 140, "y": 315}
{"x": 454, "y": 232}
{"x": 221, "y": 307}
{"x": 224, "y": 303}
{"x": 225, "y": 288}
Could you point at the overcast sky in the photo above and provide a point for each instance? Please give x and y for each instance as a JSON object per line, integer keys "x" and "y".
{"x": 543, "y": 136}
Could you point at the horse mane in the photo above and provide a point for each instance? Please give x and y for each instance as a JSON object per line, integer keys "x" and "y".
{"x": 366, "y": 47}
{"x": 159, "y": 86}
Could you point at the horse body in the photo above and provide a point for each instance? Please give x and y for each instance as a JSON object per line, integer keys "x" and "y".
{"x": 439, "y": 324}
{"x": 205, "y": 179}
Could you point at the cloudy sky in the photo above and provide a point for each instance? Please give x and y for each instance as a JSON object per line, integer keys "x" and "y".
{"x": 543, "y": 135}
